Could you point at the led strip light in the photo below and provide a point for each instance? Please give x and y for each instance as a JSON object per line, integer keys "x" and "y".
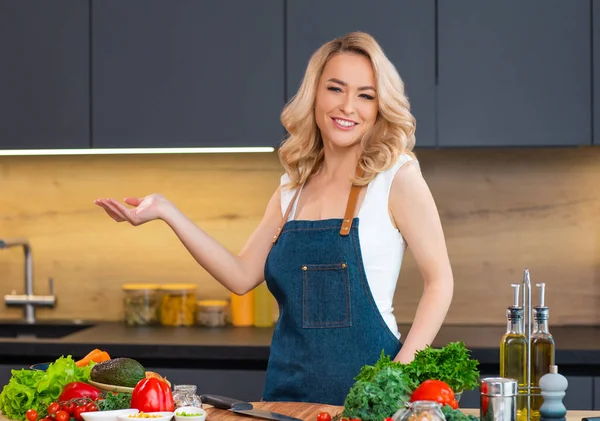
{"x": 131, "y": 151}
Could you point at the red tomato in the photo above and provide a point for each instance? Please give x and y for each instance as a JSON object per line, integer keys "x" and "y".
{"x": 91, "y": 407}
{"x": 453, "y": 404}
{"x": 47, "y": 418}
{"x": 354, "y": 419}
{"x": 62, "y": 416}
{"x": 69, "y": 407}
{"x": 31, "y": 415}
{"x": 323, "y": 416}
{"x": 77, "y": 412}
{"x": 53, "y": 408}
{"x": 388, "y": 419}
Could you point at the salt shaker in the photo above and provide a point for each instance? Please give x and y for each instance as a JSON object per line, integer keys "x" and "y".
{"x": 498, "y": 399}
{"x": 553, "y": 385}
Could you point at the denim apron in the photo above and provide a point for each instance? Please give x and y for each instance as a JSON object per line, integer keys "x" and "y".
{"x": 329, "y": 325}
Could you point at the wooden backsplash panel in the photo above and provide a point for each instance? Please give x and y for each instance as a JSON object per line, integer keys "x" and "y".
{"x": 502, "y": 210}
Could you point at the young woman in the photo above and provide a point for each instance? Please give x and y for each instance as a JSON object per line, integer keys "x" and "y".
{"x": 332, "y": 239}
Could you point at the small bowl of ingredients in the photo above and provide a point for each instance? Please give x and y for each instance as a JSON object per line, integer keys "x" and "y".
{"x": 190, "y": 413}
{"x": 154, "y": 416}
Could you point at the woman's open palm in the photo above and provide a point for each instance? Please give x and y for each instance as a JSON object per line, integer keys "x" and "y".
{"x": 144, "y": 209}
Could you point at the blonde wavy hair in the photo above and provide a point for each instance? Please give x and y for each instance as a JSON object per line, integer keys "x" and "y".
{"x": 393, "y": 133}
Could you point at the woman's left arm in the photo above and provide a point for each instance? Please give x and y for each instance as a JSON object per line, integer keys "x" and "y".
{"x": 416, "y": 216}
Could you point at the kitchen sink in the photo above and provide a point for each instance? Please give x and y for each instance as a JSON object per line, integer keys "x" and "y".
{"x": 41, "y": 329}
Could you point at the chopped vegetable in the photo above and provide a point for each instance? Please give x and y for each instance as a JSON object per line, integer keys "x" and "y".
{"x": 36, "y": 389}
{"x": 96, "y": 355}
{"x": 456, "y": 415}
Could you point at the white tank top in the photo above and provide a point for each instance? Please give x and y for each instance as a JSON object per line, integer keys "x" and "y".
{"x": 381, "y": 244}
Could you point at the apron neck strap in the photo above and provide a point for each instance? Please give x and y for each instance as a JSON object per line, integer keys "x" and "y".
{"x": 348, "y": 216}
{"x": 351, "y": 205}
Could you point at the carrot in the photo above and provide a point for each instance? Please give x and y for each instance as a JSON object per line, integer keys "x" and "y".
{"x": 96, "y": 355}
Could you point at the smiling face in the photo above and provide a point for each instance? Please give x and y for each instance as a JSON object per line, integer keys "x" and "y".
{"x": 346, "y": 104}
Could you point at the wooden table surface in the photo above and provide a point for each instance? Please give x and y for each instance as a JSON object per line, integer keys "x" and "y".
{"x": 309, "y": 411}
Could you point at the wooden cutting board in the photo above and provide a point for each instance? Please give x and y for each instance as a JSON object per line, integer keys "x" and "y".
{"x": 301, "y": 410}
{"x": 309, "y": 411}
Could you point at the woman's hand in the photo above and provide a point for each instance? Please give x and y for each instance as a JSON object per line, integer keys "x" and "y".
{"x": 144, "y": 209}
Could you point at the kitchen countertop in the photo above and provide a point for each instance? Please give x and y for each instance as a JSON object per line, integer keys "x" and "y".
{"x": 577, "y": 352}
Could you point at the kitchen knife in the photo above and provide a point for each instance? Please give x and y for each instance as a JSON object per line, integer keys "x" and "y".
{"x": 241, "y": 407}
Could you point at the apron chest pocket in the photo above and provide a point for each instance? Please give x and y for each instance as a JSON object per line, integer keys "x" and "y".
{"x": 325, "y": 296}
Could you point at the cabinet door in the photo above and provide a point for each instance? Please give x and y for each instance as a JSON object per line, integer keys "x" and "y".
{"x": 187, "y": 73}
{"x": 514, "y": 73}
{"x": 596, "y": 75}
{"x": 44, "y": 76}
{"x": 404, "y": 29}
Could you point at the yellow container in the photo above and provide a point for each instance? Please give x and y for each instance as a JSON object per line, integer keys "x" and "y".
{"x": 242, "y": 309}
{"x": 141, "y": 304}
{"x": 178, "y": 305}
{"x": 263, "y": 306}
{"x": 212, "y": 313}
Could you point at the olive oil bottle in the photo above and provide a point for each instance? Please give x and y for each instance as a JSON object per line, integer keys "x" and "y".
{"x": 542, "y": 353}
{"x": 513, "y": 353}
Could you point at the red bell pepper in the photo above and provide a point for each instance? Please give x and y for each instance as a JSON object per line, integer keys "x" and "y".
{"x": 152, "y": 395}
{"x": 435, "y": 390}
{"x": 76, "y": 390}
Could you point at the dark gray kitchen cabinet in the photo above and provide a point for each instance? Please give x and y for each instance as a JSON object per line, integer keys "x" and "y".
{"x": 240, "y": 384}
{"x": 596, "y": 75}
{"x": 404, "y": 29}
{"x": 514, "y": 73}
{"x": 187, "y": 73}
{"x": 44, "y": 75}
{"x": 596, "y": 389}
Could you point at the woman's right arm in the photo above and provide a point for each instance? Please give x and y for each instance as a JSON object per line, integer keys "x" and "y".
{"x": 238, "y": 274}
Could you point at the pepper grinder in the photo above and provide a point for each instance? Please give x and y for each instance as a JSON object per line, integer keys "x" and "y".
{"x": 553, "y": 386}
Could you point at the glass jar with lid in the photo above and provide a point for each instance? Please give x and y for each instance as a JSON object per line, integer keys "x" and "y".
{"x": 178, "y": 305}
{"x": 420, "y": 411}
{"x": 185, "y": 395}
{"x": 212, "y": 313}
{"x": 141, "y": 304}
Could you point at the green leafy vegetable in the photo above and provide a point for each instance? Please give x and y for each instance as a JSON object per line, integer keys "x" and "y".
{"x": 456, "y": 415}
{"x": 383, "y": 388}
{"x": 451, "y": 364}
{"x": 114, "y": 400}
{"x": 37, "y": 389}
{"x": 379, "y": 397}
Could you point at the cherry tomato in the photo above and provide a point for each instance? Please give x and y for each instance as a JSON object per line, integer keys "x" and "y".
{"x": 323, "y": 416}
{"x": 388, "y": 419}
{"x": 78, "y": 411}
{"x": 91, "y": 407}
{"x": 354, "y": 419}
{"x": 69, "y": 407}
{"x": 62, "y": 416}
{"x": 47, "y": 418}
{"x": 53, "y": 408}
{"x": 31, "y": 414}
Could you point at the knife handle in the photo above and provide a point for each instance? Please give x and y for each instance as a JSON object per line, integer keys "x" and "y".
{"x": 221, "y": 402}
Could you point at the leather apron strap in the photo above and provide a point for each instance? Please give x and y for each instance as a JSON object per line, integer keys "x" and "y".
{"x": 348, "y": 216}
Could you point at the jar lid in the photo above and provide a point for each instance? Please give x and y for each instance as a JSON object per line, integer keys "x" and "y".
{"x": 179, "y": 287}
{"x": 213, "y": 303}
{"x": 140, "y": 287}
{"x": 498, "y": 386}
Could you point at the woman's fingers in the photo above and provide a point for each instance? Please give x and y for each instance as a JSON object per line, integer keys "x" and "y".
{"x": 109, "y": 210}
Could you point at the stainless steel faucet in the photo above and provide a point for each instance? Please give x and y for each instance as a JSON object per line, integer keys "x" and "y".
{"x": 28, "y": 300}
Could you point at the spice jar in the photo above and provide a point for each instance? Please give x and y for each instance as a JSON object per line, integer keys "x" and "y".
{"x": 140, "y": 304}
{"x": 178, "y": 305}
{"x": 212, "y": 313}
{"x": 420, "y": 411}
{"x": 185, "y": 395}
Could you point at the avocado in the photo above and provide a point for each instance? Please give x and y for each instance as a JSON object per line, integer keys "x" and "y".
{"x": 118, "y": 372}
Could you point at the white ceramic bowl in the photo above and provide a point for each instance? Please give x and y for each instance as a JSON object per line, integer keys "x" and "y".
{"x": 107, "y": 415}
{"x": 154, "y": 416}
{"x": 190, "y": 410}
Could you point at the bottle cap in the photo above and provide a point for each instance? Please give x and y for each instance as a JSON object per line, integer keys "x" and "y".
{"x": 541, "y": 313}
{"x": 514, "y": 312}
{"x": 498, "y": 386}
